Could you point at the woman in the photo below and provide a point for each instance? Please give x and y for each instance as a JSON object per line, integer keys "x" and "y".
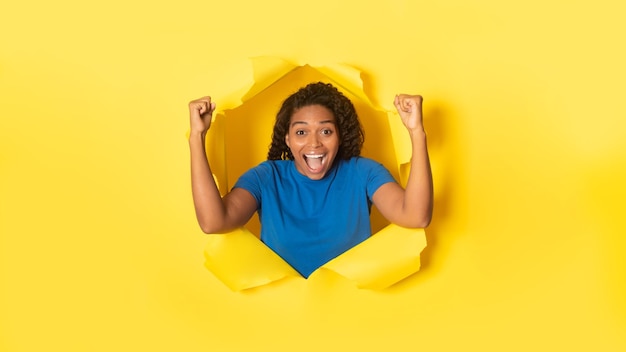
{"x": 315, "y": 191}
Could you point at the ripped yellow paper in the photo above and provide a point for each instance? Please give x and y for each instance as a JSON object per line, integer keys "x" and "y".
{"x": 241, "y": 261}
{"x": 383, "y": 259}
{"x": 238, "y": 140}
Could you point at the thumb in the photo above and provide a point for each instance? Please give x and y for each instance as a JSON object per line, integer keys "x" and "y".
{"x": 212, "y": 108}
{"x": 206, "y": 109}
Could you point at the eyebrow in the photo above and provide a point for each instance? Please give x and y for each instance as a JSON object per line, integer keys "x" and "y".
{"x": 306, "y": 123}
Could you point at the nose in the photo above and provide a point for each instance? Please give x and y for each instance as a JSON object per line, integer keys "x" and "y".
{"x": 314, "y": 140}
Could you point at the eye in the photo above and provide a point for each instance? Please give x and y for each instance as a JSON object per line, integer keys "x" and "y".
{"x": 327, "y": 132}
{"x": 299, "y": 133}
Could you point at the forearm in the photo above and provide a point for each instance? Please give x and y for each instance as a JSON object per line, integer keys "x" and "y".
{"x": 418, "y": 195}
{"x": 210, "y": 210}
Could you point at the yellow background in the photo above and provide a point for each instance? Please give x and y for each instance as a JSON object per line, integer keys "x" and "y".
{"x": 99, "y": 248}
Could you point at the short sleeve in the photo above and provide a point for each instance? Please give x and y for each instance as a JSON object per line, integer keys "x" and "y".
{"x": 253, "y": 179}
{"x": 376, "y": 175}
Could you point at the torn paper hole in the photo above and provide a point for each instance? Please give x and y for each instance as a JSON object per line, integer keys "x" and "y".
{"x": 238, "y": 140}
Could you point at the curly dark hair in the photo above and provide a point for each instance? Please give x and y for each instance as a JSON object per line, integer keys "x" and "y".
{"x": 351, "y": 135}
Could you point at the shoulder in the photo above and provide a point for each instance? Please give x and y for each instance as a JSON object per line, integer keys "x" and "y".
{"x": 371, "y": 172}
{"x": 362, "y": 168}
{"x": 362, "y": 163}
{"x": 262, "y": 176}
{"x": 269, "y": 168}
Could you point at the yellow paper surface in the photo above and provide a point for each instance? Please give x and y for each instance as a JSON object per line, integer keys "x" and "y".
{"x": 382, "y": 260}
{"x": 99, "y": 247}
{"x": 241, "y": 261}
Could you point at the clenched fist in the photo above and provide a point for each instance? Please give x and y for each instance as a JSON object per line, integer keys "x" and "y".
{"x": 410, "y": 109}
{"x": 200, "y": 114}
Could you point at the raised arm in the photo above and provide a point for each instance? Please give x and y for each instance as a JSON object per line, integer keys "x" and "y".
{"x": 412, "y": 206}
{"x": 214, "y": 213}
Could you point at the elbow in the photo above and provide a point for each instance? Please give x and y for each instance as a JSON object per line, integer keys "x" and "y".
{"x": 424, "y": 223}
{"x": 415, "y": 216}
{"x": 214, "y": 228}
{"x": 425, "y": 220}
{"x": 210, "y": 228}
{"x": 207, "y": 230}
{"x": 417, "y": 222}
{"x": 210, "y": 224}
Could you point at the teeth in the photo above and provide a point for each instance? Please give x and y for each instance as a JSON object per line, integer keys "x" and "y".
{"x": 314, "y": 156}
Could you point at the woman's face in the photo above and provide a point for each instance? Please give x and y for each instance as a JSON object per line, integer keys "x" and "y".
{"x": 313, "y": 140}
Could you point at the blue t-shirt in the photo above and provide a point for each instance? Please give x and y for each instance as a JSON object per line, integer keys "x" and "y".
{"x": 309, "y": 222}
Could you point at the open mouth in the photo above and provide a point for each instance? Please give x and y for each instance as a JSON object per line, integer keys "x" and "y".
{"x": 315, "y": 162}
